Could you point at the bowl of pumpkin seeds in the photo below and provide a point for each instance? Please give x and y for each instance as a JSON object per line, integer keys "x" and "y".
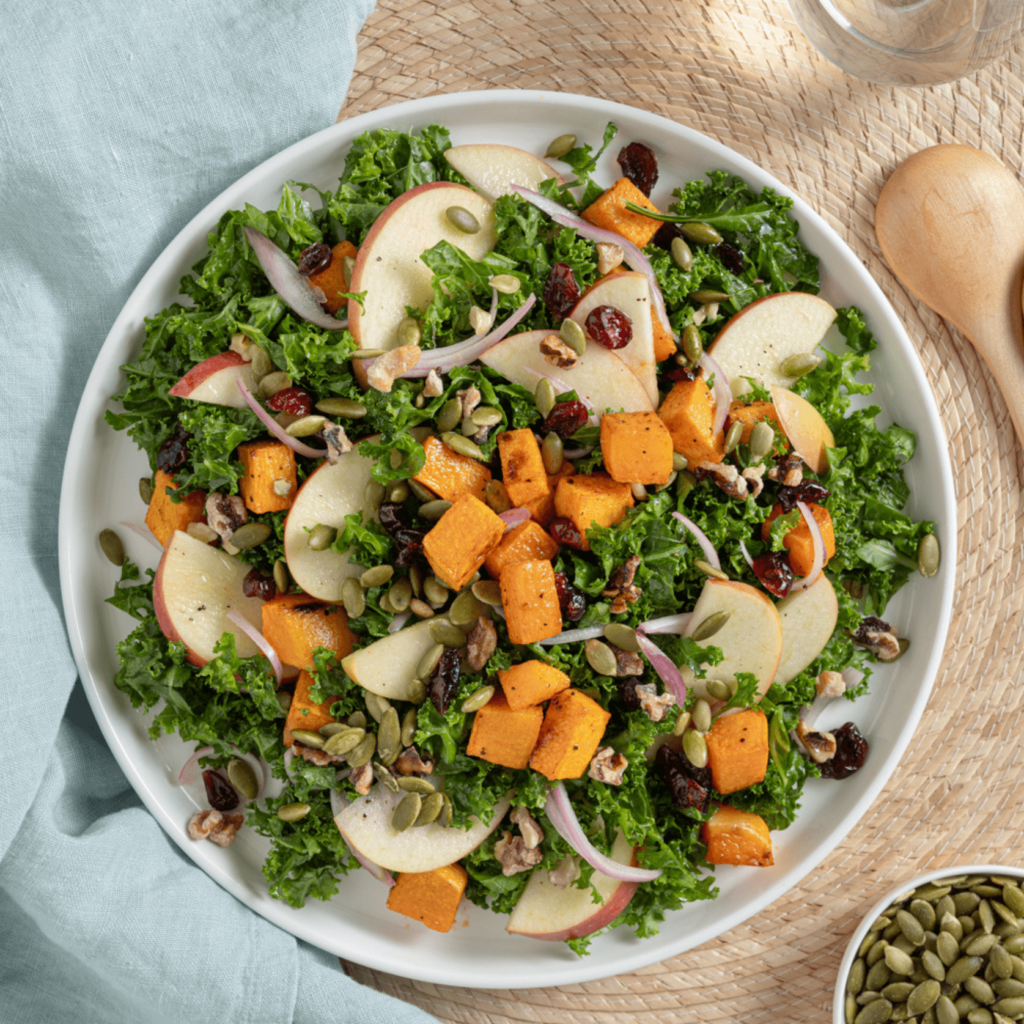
{"x": 943, "y": 948}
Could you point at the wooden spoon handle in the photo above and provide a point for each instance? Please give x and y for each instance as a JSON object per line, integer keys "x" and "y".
{"x": 1002, "y": 347}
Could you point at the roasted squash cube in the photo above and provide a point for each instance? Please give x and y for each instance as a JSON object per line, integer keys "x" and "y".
{"x": 664, "y": 343}
{"x": 798, "y": 541}
{"x": 542, "y": 510}
{"x": 505, "y": 735}
{"x": 270, "y": 479}
{"x": 530, "y": 600}
{"x": 527, "y": 540}
{"x": 331, "y": 281}
{"x": 522, "y": 467}
{"x": 573, "y": 726}
{"x": 450, "y": 475}
{"x": 738, "y": 750}
{"x": 609, "y": 211}
{"x": 736, "y": 837}
{"x": 749, "y": 414}
{"x": 164, "y": 516}
{"x": 592, "y": 500}
{"x": 295, "y": 625}
{"x": 431, "y": 897}
{"x": 303, "y": 712}
{"x": 531, "y": 682}
{"x": 637, "y": 447}
{"x": 462, "y": 539}
{"x": 689, "y": 413}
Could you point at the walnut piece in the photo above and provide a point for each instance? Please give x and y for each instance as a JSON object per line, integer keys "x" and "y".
{"x": 557, "y": 353}
{"x": 655, "y": 704}
{"x": 829, "y": 685}
{"x": 608, "y": 766}
{"x": 515, "y": 856}
{"x": 789, "y": 471}
{"x": 878, "y": 637}
{"x": 566, "y": 873}
{"x": 627, "y": 663}
{"x": 225, "y": 513}
{"x": 219, "y": 828}
{"x": 621, "y": 589}
{"x": 480, "y": 320}
{"x": 820, "y": 745}
{"x": 410, "y": 763}
{"x": 533, "y": 834}
{"x": 386, "y": 369}
{"x": 725, "y": 475}
{"x": 753, "y": 475}
{"x": 434, "y": 387}
{"x": 318, "y": 757}
{"x": 470, "y": 398}
{"x": 609, "y": 256}
{"x": 337, "y": 442}
{"x": 480, "y": 644}
{"x": 362, "y": 778}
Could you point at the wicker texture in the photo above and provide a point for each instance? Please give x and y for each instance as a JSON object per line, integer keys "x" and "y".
{"x": 742, "y": 73}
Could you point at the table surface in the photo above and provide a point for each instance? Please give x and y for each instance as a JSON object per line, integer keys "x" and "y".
{"x": 743, "y": 74}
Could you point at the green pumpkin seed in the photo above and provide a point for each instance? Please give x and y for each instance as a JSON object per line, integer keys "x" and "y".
{"x": 308, "y": 738}
{"x": 681, "y": 254}
{"x": 978, "y": 943}
{"x": 986, "y": 916}
{"x": 717, "y": 689}
{"x": 552, "y": 453}
{"x": 876, "y": 1012}
{"x": 967, "y": 923}
{"x": 709, "y": 570}
{"x": 421, "y": 609}
{"x": 400, "y": 595}
{"x": 966, "y": 902}
{"x": 879, "y": 975}
{"x": 1007, "y": 986}
{"x": 409, "y": 331}
{"x": 353, "y": 597}
{"x": 260, "y": 365}
{"x": 429, "y": 810}
{"x": 679, "y": 462}
{"x": 486, "y": 416}
{"x": 561, "y": 146}
{"x": 898, "y": 961}
{"x": 443, "y": 632}
{"x": 966, "y": 967}
{"x": 572, "y": 334}
{"x": 697, "y": 231}
{"x": 979, "y": 1015}
{"x": 710, "y": 626}
{"x": 377, "y": 576}
{"x": 414, "y": 784}
{"x": 622, "y": 636}
{"x": 365, "y": 353}
{"x": 931, "y": 962}
{"x": 250, "y": 535}
{"x": 468, "y": 427}
{"x": 408, "y": 727}
{"x": 733, "y": 436}
{"x": 306, "y": 426}
{"x": 910, "y": 926}
{"x": 850, "y": 1004}
{"x": 600, "y": 658}
{"x": 385, "y": 778}
{"x": 902, "y": 942}
{"x": 702, "y": 715}
{"x": 877, "y": 952}
{"x": 1014, "y": 945}
{"x": 506, "y": 284}
{"x": 145, "y": 489}
{"x": 416, "y": 692}
{"x": 897, "y": 991}
{"x": 449, "y": 416}
{"x": 855, "y": 979}
{"x": 924, "y": 996}
{"x": 462, "y": 220}
{"x": 947, "y": 948}
{"x": 545, "y": 397}
{"x": 1006, "y": 914}
{"x": 761, "y": 438}
{"x": 924, "y": 912}
{"x": 321, "y": 537}
{"x": 463, "y": 446}
{"x": 357, "y": 720}
{"x": 1010, "y": 1006}
{"x": 799, "y": 365}
{"x": 488, "y": 592}
{"x": 406, "y": 812}
{"x": 429, "y": 661}
{"x": 944, "y": 906}
{"x": 376, "y": 705}
{"x": 399, "y": 492}
{"x": 686, "y": 483}
{"x": 342, "y": 742}
{"x": 281, "y": 576}
{"x": 667, "y": 484}
{"x": 389, "y": 738}
{"x": 945, "y": 1011}
{"x": 333, "y": 728}
{"x": 284, "y": 698}
{"x": 1012, "y": 895}
{"x": 243, "y": 778}
{"x": 292, "y": 812}
{"x": 964, "y": 1004}
{"x": 444, "y": 819}
{"x": 465, "y": 609}
{"x": 693, "y": 344}
{"x": 477, "y": 699}
{"x": 1001, "y": 961}
{"x": 272, "y": 383}
{"x": 710, "y": 295}
{"x": 346, "y": 408}
{"x": 695, "y": 748}
{"x": 868, "y": 996}
{"x": 111, "y": 546}
{"x": 682, "y": 723}
{"x": 435, "y": 591}
{"x": 362, "y": 752}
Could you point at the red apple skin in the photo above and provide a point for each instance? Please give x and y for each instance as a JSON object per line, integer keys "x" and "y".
{"x": 163, "y": 618}
{"x": 203, "y": 370}
{"x": 601, "y": 918}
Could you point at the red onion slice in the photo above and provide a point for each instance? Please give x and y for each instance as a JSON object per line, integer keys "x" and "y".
{"x": 710, "y": 554}
{"x": 819, "y": 548}
{"x": 190, "y": 769}
{"x": 398, "y": 622}
{"x": 852, "y": 677}
{"x": 275, "y": 428}
{"x": 289, "y": 756}
{"x": 722, "y": 391}
{"x": 514, "y": 517}
{"x": 668, "y": 671}
{"x": 292, "y": 288}
{"x": 577, "y": 453}
{"x": 258, "y": 639}
{"x": 677, "y": 624}
{"x": 746, "y": 554}
{"x": 143, "y": 532}
{"x": 570, "y": 636}
{"x": 561, "y": 815}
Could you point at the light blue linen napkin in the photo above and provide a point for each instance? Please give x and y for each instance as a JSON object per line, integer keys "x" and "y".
{"x": 118, "y": 122}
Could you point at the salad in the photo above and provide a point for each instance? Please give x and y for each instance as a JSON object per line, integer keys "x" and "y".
{"x": 514, "y": 532}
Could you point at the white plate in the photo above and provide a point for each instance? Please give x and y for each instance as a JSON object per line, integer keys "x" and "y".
{"x": 100, "y": 488}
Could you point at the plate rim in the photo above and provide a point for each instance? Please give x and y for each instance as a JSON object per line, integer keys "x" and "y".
{"x": 641, "y": 953}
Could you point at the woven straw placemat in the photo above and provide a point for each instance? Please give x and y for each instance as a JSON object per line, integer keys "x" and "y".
{"x": 743, "y": 74}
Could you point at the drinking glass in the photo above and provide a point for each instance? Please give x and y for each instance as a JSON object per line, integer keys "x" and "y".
{"x": 910, "y": 42}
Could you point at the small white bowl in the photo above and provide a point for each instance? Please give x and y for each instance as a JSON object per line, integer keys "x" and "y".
{"x": 839, "y": 999}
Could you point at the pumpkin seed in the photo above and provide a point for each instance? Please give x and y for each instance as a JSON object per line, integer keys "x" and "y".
{"x": 243, "y": 778}
{"x": 868, "y": 996}
{"x": 733, "y": 436}
{"x": 399, "y": 492}
{"x": 462, "y": 220}
{"x": 1006, "y": 914}
{"x": 1001, "y": 961}
{"x": 902, "y": 942}
{"x": 443, "y": 632}
{"x": 429, "y": 810}
{"x": 308, "y": 738}
{"x": 409, "y": 331}
{"x": 686, "y": 483}
{"x": 693, "y": 344}
{"x": 898, "y": 961}
{"x": 761, "y": 437}
{"x": 463, "y": 446}
{"x": 400, "y": 595}
{"x": 488, "y": 592}
{"x": 468, "y": 427}
{"x": 682, "y": 723}
{"x": 420, "y": 608}
{"x": 710, "y": 626}
{"x": 966, "y": 902}
{"x": 507, "y": 284}
{"x": 357, "y": 719}
{"x": 272, "y": 383}
{"x": 346, "y": 408}
{"x": 465, "y": 609}
{"x": 433, "y": 510}
{"x": 545, "y": 397}
{"x": 1012, "y": 895}
{"x": 429, "y": 661}
{"x": 552, "y": 453}
{"x": 709, "y": 570}
{"x": 408, "y": 727}
{"x": 718, "y": 689}
{"x": 681, "y": 254}
{"x": 966, "y": 967}
{"x": 978, "y": 944}
{"x": 910, "y": 926}
{"x": 600, "y": 658}
{"x": 444, "y": 819}
{"x": 943, "y": 906}
{"x": 415, "y": 784}
{"x": 321, "y": 537}
{"x": 572, "y": 334}
{"x": 986, "y": 917}
{"x": 416, "y": 692}
{"x": 284, "y": 698}
{"x": 333, "y": 728}
{"x": 561, "y": 146}
{"x": 145, "y": 489}
{"x": 947, "y": 948}
{"x": 679, "y": 462}
{"x": 449, "y": 415}
{"x": 250, "y": 535}
{"x": 877, "y": 952}
{"x": 924, "y": 996}
{"x": 487, "y": 416}
{"x": 1007, "y": 986}
{"x": 1010, "y": 1005}
{"x": 112, "y": 547}
{"x": 376, "y": 705}
{"x": 342, "y": 742}
{"x": 639, "y": 492}
{"x": 389, "y": 738}
{"x": 979, "y": 1015}
{"x": 260, "y": 364}
{"x": 933, "y": 965}
{"x": 363, "y": 751}
{"x": 477, "y": 699}
{"x": 980, "y": 990}
{"x": 377, "y": 576}
{"x": 306, "y": 426}
{"x": 435, "y": 591}
{"x": 406, "y": 812}
{"x": 695, "y": 748}
{"x": 364, "y": 353}
{"x": 879, "y": 975}
{"x": 855, "y": 979}
{"x": 667, "y": 484}
{"x": 385, "y": 778}
{"x": 945, "y": 1011}
{"x": 876, "y": 1012}
{"x": 292, "y": 812}
{"x": 897, "y": 991}
{"x": 924, "y": 912}
{"x": 799, "y": 365}
{"x": 696, "y": 231}
{"x": 702, "y": 715}
{"x": 622, "y": 636}
{"x": 353, "y": 597}
{"x": 281, "y": 576}
{"x": 964, "y": 1004}
{"x": 967, "y": 924}
{"x": 710, "y": 295}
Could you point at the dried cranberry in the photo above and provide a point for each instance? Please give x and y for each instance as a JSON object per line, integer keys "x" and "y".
{"x": 666, "y": 234}
{"x": 444, "y": 680}
{"x": 315, "y": 259}
{"x": 806, "y": 491}
{"x": 294, "y": 401}
{"x": 561, "y": 292}
{"x": 567, "y": 533}
{"x": 627, "y": 691}
{"x": 173, "y": 453}
{"x": 410, "y": 547}
{"x": 609, "y": 326}
{"x": 393, "y": 517}
{"x": 851, "y": 753}
{"x": 640, "y": 165}
{"x": 566, "y": 418}
{"x": 774, "y": 572}
{"x": 681, "y": 373}
{"x": 219, "y": 791}
{"x": 571, "y": 600}
{"x": 256, "y": 584}
{"x": 686, "y": 790}
{"x": 730, "y": 256}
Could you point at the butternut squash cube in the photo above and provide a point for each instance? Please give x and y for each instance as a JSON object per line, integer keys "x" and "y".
{"x": 522, "y": 467}
{"x": 590, "y": 500}
{"x": 530, "y": 600}
{"x": 527, "y": 540}
{"x": 689, "y": 414}
{"x": 269, "y": 467}
{"x": 450, "y": 475}
{"x": 164, "y": 516}
{"x": 736, "y": 837}
{"x": 542, "y": 510}
{"x": 664, "y": 343}
{"x": 430, "y": 897}
{"x": 331, "y": 281}
{"x": 798, "y": 541}
{"x": 637, "y": 447}
{"x": 531, "y": 682}
{"x": 505, "y": 735}
{"x": 462, "y": 539}
{"x": 753, "y": 413}
{"x": 738, "y": 750}
{"x": 304, "y": 713}
{"x": 609, "y": 211}
{"x": 295, "y": 625}
{"x": 573, "y": 727}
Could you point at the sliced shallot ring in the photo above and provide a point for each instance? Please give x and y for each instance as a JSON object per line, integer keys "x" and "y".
{"x": 852, "y": 677}
{"x": 710, "y": 554}
{"x": 275, "y": 428}
{"x": 292, "y": 288}
{"x": 143, "y": 532}
{"x": 722, "y": 391}
{"x": 514, "y": 517}
{"x": 819, "y": 549}
{"x": 677, "y": 624}
{"x": 259, "y": 640}
{"x": 570, "y": 636}
{"x": 398, "y": 622}
{"x": 668, "y": 671}
{"x": 746, "y": 554}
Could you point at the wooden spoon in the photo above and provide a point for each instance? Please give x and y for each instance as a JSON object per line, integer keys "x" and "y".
{"x": 950, "y": 222}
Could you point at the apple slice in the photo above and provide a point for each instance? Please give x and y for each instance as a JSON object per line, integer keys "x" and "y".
{"x": 366, "y": 825}
{"x": 194, "y": 588}
{"x": 599, "y": 376}
{"x": 389, "y": 269}
{"x": 804, "y": 428}
{"x": 750, "y": 640}
{"x": 808, "y": 619}
{"x": 761, "y": 336}
{"x": 630, "y": 293}
{"x": 546, "y": 912}
{"x": 493, "y": 168}
{"x": 214, "y": 381}
{"x": 387, "y": 667}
